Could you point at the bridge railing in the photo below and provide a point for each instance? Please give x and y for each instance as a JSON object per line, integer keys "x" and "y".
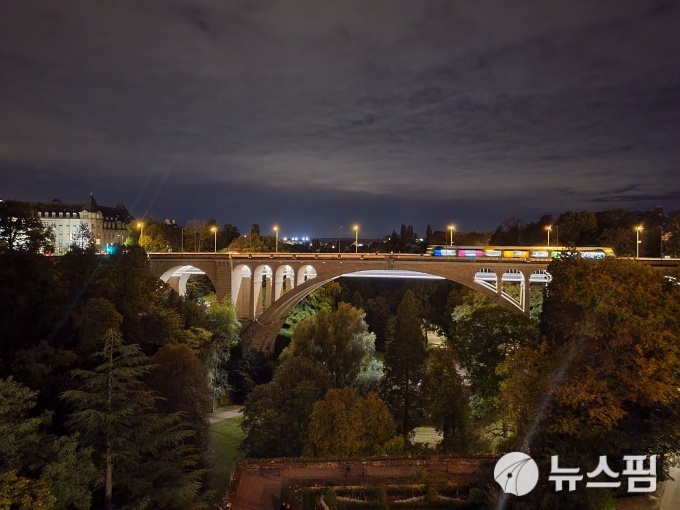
{"x": 345, "y": 256}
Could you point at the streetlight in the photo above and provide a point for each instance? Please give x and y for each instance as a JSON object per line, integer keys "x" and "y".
{"x": 140, "y": 225}
{"x": 182, "y": 239}
{"x": 638, "y": 229}
{"x": 356, "y": 241}
{"x": 548, "y": 228}
{"x": 276, "y": 231}
{"x": 452, "y": 228}
{"x": 214, "y": 230}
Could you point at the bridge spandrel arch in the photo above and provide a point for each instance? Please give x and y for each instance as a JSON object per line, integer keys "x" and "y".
{"x": 263, "y": 276}
{"x": 241, "y": 289}
{"x": 177, "y": 275}
{"x": 513, "y": 288}
{"x": 284, "y": 280}
{"x": 306, "y": 272}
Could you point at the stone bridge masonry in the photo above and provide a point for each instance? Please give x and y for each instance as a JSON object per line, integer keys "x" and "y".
{"x": 265, "y": 287}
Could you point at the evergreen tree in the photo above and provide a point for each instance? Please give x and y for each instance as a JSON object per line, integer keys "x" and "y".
{"x": 405, "y": 357}
{"x": 141, "y": 452}
{"x": 37, "y": 469}
{"x": 224, "y": 326}
{"x": 446, "y": 402}
{"x": 428, "y": 234}
{"x": 82, "y": 237}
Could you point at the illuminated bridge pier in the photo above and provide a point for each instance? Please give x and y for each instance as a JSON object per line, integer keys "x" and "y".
{"x": 266, "y": 287}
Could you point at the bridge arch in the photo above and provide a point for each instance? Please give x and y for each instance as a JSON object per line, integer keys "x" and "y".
{"x": 487, "y": 278}
{"x": 261, "y": 334}
{"x": 240, "y": 288}
{"x": 306, "y": 272}
{"x": 178, "y": 276}
{"x": 284, "y": 280}
{"x": 262, "y": 288}
{"x": 513, "y": 287}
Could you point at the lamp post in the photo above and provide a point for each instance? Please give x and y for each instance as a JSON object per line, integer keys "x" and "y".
{"x": 214, "y": 230}
{"x": 141, "y": 231}
{"x": 557, "y": 235}
{"x": 451, "y": 229}
{"x": 638, "y": 229}
{"x": 182, "y": 239}
{"x": 276, "y": 231}
{"x": 356, "y": 241}
{"x": 339, "y": 233}
{"x": 548, "y": 228}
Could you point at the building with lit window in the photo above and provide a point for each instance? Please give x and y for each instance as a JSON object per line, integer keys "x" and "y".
{"x": 107, "y": 225}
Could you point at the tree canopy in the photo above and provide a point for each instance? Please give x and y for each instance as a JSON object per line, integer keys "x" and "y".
{"x": 446, "y": 402}
{"x": 22, "y": 230}
{"x": 345, "y": 424}
{"x": 607, "y": 369}
{"x": 276, "y": 415}
{"x": 339, "y": 340}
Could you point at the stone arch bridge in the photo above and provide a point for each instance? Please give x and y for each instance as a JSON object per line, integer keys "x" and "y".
{"x": 266, "y": 286}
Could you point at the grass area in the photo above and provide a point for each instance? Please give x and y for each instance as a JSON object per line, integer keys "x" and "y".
{"x": 225, "y": 438}
{"x": 433, "y": 339}
{"x": 426, "y": 435}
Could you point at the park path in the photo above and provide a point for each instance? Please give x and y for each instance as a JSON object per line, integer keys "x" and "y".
{"x": 225, "y": 413}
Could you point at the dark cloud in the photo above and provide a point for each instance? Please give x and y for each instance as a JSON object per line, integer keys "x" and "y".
{"x": 324, "y": 113}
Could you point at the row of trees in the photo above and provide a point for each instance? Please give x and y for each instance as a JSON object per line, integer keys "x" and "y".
{"x": 615, "y": 228}
{"x": 21, "y": 229}
{"x": 197, "y": 235}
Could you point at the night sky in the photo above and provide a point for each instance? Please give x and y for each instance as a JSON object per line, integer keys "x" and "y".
{"x": 313, "y": 114}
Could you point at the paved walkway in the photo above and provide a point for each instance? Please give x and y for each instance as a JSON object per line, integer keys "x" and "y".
{"x": 670, "y": 497}
{"x": 225, "y": 413}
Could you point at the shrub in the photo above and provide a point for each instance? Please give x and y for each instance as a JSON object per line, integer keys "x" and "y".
{"x": 475, "y": 495}
{"x": 432, "y": 495}
{"x": 381, "y": 495}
